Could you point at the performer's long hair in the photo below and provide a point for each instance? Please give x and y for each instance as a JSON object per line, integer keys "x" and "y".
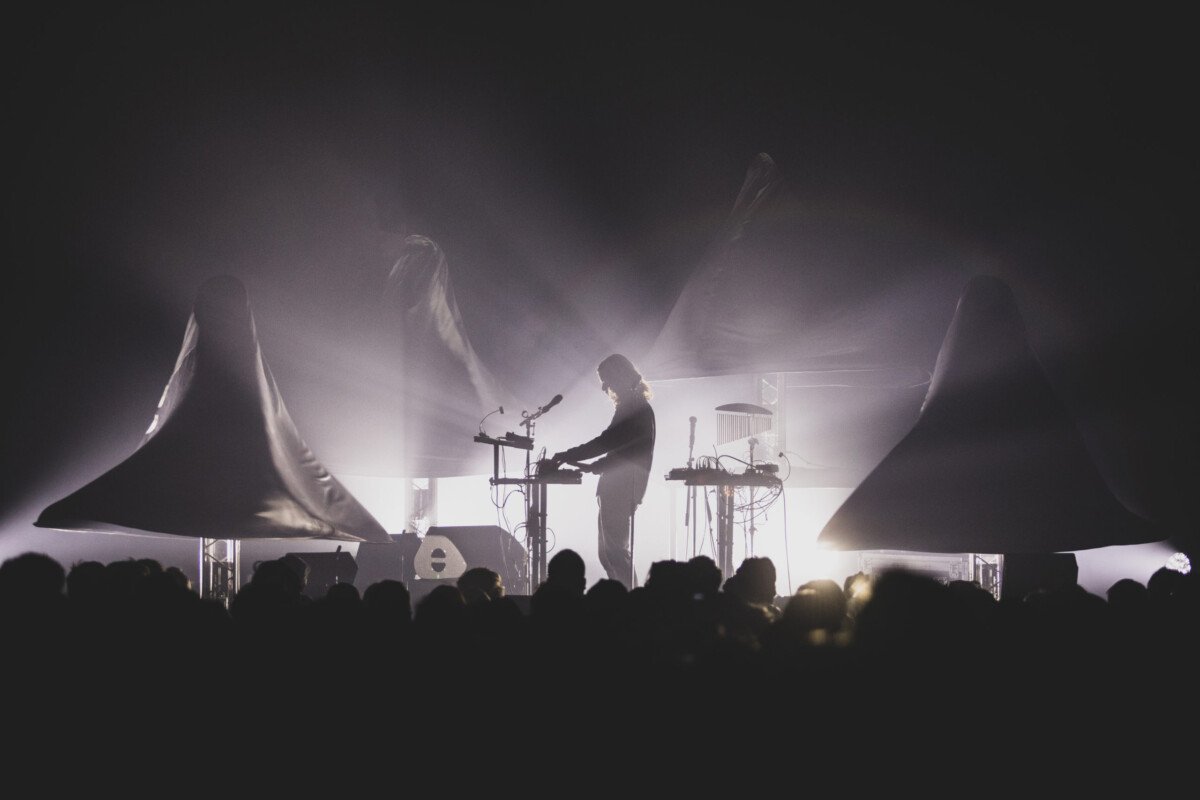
{"x": 621, "y": 378}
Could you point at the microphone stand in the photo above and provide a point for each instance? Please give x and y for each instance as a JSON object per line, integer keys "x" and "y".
{"x": 527, "y": 423}
{"x": 534, "y": 521}
{"x": 535, "y": 503}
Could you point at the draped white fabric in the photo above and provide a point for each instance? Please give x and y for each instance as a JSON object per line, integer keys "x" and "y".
{"x": 995, "y": 463}
{"x": 221, "y": 458}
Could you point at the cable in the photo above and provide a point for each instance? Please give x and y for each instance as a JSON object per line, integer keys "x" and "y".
{"x": 787, "y": 461}
{"x": 805, "y": 460}
{"x": 735, "y": 458}
{"x": 762, "y": 504}
{"x": 502, "y": 510}
{"x": 786, "y": 552}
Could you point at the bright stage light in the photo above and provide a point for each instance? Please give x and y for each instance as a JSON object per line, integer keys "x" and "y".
{"x": 1180, "y": 563}
{"x": 859, "y": 589}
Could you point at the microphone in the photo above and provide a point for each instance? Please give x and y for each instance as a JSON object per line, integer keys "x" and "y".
{"x": 542, "y": 410}
{"x": 692, "y": 435}
{"x": 499, "y": 410}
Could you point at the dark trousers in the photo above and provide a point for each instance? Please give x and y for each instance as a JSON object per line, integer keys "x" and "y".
{"x": 614, "y": 520}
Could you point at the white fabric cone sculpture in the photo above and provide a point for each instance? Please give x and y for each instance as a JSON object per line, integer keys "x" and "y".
{"x": 222, "y": 458}
{"x": 994, "y": 464}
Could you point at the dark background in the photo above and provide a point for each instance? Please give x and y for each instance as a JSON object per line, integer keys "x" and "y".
{"x": 572, "y": 163}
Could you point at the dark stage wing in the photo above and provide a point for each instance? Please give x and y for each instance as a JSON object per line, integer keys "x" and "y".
{"x": 994, "y": 464}
{"x": 222, "y": 458}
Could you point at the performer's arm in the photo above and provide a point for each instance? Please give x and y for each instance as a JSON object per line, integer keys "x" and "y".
{"x": 614, "y": 437}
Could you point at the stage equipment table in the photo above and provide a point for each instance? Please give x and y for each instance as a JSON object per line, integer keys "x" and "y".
{"x": 537, "y": 510}
{"x": 728, "y": 483}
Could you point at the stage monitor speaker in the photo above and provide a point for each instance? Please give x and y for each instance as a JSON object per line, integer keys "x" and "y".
{"x": 1029, "y": 572}
{"x": 326, "y": 569}
{"x": 379, "y": 561}
{"x": 447, "y": 552}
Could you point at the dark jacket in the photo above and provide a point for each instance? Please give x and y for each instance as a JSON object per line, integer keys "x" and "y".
{"x": 627, "y": 445}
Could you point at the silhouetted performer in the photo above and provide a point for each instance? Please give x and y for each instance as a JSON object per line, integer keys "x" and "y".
{"x": 627, "y": 445}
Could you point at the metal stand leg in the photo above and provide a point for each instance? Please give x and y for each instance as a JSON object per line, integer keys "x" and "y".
{"x": 220, "y": 577}
{"x": 708, "y": 531}
{"x": 632, "y": 569}
{"x": 725, "y": 532}
{"x": 691, "y": 500}
{"x": 535, "y": 524}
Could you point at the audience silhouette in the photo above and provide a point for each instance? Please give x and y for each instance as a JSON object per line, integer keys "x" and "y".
{"x": 880, "y": 642}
